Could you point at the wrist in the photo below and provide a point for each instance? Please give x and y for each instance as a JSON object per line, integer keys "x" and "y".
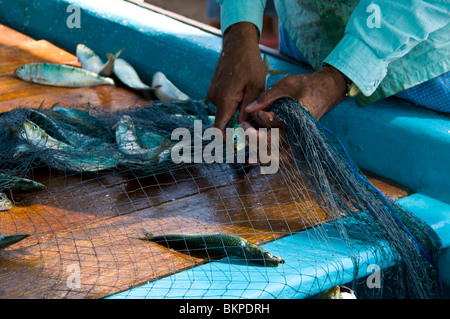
{"x": 245, "y": 31}
{"x": 339, "y": 81}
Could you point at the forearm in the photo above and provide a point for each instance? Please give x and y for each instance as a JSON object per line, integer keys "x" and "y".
{"x": 364, "y": 53}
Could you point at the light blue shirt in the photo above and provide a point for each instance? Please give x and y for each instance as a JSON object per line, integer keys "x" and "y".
{"x": 384, "y": 46}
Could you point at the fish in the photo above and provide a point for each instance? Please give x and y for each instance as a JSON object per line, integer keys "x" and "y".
{"x": 88, "y": 59}
{"x": 5, "y": 203}
{"x": 108, "y": 68}
{"x": 92, "y": 62}
{"x": 36, "y": 136}
{"x": 83, "y": 122}
{"x": 60, "y": 75}
{"x": 216, "y": 244}
{"x": 128, "y": 75}
{"x": 338, "y": 292}
{"x": 128, "y": 142}
{"x": 165, "y": 90}
{"x": 8, "y": 240}
{"x": 65, "y": 157}
{"x": 19, "y": 184}
{"x": 49, "y": 125}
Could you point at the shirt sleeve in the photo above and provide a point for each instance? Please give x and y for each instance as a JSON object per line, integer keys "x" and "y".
{"x": 367, "y": 48}
{"x": 234, "y": 11}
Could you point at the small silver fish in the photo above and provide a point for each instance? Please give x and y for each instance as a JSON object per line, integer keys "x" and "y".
{"x": 60, "y": 75}
{"x": 5, "y": 203}
{"x": 338, "y": 292}
{"x": 128, "y": 75}
{"x": 88, "y": 59}
{"x": 32, "y": 134}
{"x": 128, "y": 142}
{"x": 216, "y": 245}
{"x": 165, "y": 90}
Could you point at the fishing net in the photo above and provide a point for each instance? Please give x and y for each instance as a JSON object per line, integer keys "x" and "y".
{"x": 110, "y": 179}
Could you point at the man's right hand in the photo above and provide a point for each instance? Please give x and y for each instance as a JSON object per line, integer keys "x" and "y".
{"x": 240, "y": 75}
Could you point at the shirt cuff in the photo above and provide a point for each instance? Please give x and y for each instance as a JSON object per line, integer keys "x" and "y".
{"x": 359, "y": 63}
{"x": 234, "y": 11}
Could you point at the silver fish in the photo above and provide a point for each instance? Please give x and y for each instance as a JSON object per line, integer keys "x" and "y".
{"x": 34, "y": 135}
{"x": 128, "y": 75}
{"x": 60, "y": 75}
{"x": 165, "y": 90}
{"x": 5, "y": 203}
{"x": 338, "y": 292}
{"x": 128, "y": 142}
{"x": 88, "y": 59}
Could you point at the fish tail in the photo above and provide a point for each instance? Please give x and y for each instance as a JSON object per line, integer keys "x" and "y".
{"x": 113, "y": 57}
{"x": 269, "y": 71}
{"x": 165, "y": 143}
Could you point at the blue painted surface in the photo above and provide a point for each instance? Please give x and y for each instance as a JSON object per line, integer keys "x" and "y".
{"x": 391, "y": 138}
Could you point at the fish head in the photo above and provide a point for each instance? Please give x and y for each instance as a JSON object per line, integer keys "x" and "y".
{"x": 338, "y": 292}
{"x": 26, "y": 72}
{"x": 5, "y": 203}
{"x": 33, "y": 133}
{"x": 332, "y": 293}
{"x": 84, "y": 51}
{"x": 272, "y": 260}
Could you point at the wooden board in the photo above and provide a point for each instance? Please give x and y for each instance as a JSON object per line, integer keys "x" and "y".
{"x": 87, "y": 222}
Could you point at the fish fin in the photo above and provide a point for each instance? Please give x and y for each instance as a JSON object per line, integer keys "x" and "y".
{"x": 269, "y": 71}
{"x": 155, "y": 87}
{"x": 110, "y": 56}
{"x": 55, "y": 105}
{"x": 113, "y": 57}
{"x": 42, "y": 105}
{"x": 275, "y": 72}
{"x": 165, "y": 143}
{"x": 118, "y": 53}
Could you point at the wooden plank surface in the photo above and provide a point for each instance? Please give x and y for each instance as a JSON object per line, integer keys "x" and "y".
{"x": 87, "y": 221}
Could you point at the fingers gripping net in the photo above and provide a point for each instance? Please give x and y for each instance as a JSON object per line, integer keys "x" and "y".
{"x": 109, "y": 180}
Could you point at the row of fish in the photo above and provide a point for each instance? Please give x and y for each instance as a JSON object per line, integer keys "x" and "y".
{"x": 94, "y": 71}
{"x": 87, "y": 146}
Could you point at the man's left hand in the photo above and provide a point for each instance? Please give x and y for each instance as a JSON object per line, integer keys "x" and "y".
{"x": 318, "y": 92}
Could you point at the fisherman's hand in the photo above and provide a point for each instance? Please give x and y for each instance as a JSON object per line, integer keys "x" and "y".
{"x": 318, "y": 92}
{"x": 240, "y": 74}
